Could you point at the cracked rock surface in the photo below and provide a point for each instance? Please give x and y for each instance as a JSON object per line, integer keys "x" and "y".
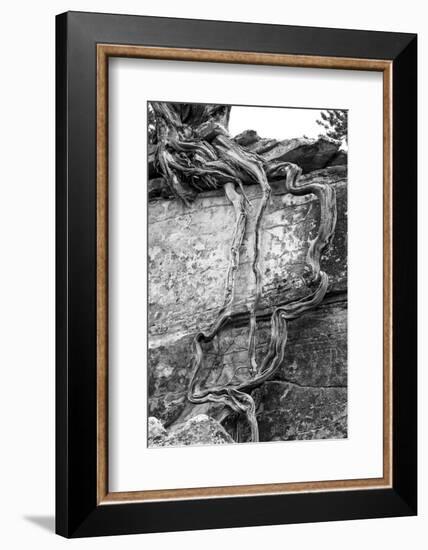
{"x": 199, "y": 430}
{"x": 188, "y": 258}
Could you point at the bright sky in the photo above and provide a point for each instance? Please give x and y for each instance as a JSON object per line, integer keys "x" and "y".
{"x": 275, "y": 122}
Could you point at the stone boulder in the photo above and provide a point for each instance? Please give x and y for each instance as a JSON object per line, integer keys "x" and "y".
{"x": 340, "y": 159}
{"x": 309, "y": 154}
{"x": 156, "y": 431}
{"x": 199, "y": 430}
{"x": 295, "y": 412}
{"x": 248, "y": 137}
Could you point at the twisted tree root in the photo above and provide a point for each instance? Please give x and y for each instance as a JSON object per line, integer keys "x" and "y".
{"x": 233, "y": 396}
{"x": 234, "y": 399}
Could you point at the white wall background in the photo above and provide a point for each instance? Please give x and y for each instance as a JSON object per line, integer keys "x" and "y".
{"x": 27, "y": 273}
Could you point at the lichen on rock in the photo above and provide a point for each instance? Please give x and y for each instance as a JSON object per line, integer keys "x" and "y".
{"x": 199, "y": 430}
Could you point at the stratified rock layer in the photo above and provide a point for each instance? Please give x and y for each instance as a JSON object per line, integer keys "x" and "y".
{"x": 188, "y": 260}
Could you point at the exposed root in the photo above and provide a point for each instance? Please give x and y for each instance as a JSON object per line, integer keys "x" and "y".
{"x": 266, "y": 190}
{"x": 205, "y": 157}
{"x": 238, "y": 234}
{"x": 234, "y": 399}
{"x": 232, "y": 395}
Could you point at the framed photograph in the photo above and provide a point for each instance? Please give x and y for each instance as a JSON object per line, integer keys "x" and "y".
{"x": 236, "y": 274}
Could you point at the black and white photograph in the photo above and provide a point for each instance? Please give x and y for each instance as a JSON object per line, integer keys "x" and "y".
{"x": 213, "y": 266}
{"x": 247, "y": 274}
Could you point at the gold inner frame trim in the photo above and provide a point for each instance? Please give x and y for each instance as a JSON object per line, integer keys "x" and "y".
{"x": 104, "y": 51}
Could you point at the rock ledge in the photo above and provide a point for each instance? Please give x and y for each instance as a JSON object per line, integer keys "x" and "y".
{"x": 199, "y": 430}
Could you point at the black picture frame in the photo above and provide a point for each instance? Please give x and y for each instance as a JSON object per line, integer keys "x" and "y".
{"x": 78, "y": 513}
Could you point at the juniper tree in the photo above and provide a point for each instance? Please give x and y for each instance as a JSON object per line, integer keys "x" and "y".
{"x": 335, "y": 124}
